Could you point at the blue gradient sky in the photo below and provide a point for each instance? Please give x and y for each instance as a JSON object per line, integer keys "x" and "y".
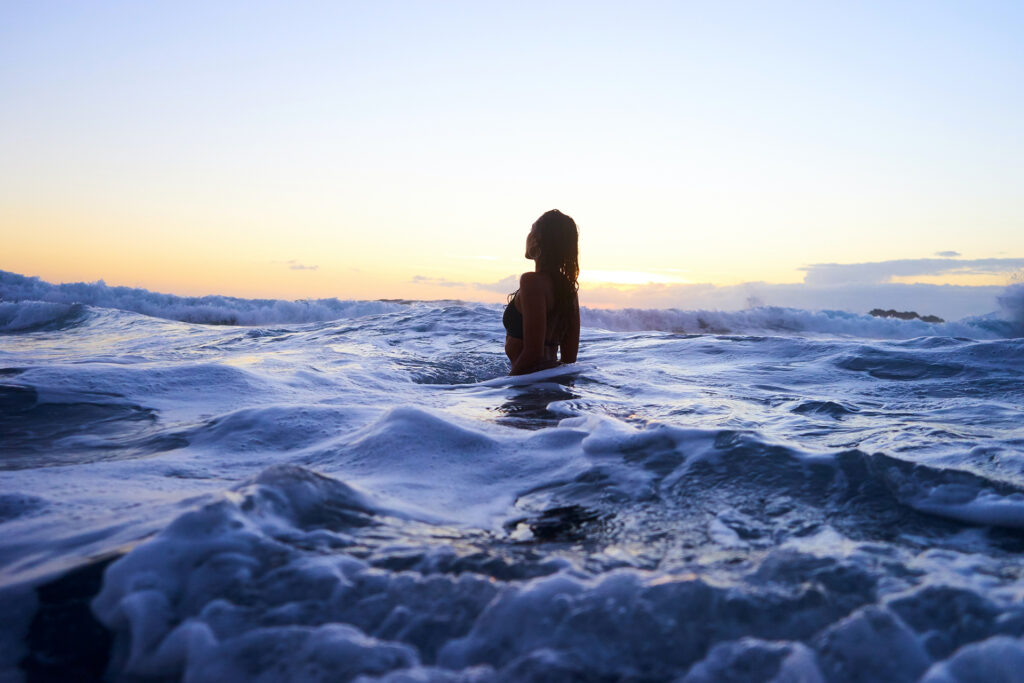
{"x": 394, "y": 148}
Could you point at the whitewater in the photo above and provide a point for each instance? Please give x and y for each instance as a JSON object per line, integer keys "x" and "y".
{"x": 224, "y": 489}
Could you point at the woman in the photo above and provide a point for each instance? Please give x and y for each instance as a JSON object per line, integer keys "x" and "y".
{"x": 543, "y": 315}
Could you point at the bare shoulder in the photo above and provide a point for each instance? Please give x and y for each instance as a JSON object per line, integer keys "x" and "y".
{"x": 531, "y": 282}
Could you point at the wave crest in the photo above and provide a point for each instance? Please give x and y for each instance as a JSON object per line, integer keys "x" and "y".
{"x": 212, "y": 310}
{"x": 46, "y": 303}
{"x": 776, "y": 320}
{"x": 1012, "y": 303}
{"x": 32, "y": 316}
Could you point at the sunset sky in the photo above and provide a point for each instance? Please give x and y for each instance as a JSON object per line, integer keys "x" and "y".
{"x": 402, "y": 149}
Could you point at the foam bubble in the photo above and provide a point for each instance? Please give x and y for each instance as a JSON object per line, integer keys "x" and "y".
{"x": 997, "y": 660}
{"x": 872, "y": 644}
{"x": 755, "y": 660}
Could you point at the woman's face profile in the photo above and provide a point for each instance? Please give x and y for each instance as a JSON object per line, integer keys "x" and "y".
{"x": 531, "y": 243}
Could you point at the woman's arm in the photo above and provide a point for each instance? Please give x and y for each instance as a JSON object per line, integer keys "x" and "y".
{"x": 570, "y": 341}
{"x": 533, "y": 306}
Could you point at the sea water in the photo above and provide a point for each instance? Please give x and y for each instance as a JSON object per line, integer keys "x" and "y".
{"x": 327, "y": 490}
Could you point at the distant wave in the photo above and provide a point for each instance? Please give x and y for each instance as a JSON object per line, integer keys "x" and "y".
{"x": 779, "y": 320}
{"x": 215, "y": 310}
{"x": 1012, "y": 303}
{"x": 29, "y": 316}
{"x": 29, "y": 303}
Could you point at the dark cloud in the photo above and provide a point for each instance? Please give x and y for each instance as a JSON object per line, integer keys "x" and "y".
{"x": 435, "y": 281}
{"x": 884, "y": 271}
{"x": 948, "y": 254}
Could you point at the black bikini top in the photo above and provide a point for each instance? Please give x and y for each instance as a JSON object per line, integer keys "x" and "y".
{"x": 513, "y": 321}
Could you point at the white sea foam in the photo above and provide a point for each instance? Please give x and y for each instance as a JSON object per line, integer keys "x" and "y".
{"x": 786, "y": 321}
{"x": 1012, "y": 303}
{"x": 25, "y": 316}
{"x": 806, "y": 495}
{"x": 999, "y": 659}
{"x": 30, "y": 303}
{"x": 217, "y": 310}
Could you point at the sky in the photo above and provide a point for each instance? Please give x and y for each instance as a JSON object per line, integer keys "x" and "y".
{"x": 403, "y": 149}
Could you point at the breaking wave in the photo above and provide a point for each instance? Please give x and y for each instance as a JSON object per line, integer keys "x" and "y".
{"x": 211, "y": 310}
{"x": 28, "y": 303}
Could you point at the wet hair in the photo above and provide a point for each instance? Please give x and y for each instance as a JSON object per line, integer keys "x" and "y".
{"x": 558, "y": 255}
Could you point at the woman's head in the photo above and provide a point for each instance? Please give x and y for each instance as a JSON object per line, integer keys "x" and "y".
{"x": 553, "y": 243}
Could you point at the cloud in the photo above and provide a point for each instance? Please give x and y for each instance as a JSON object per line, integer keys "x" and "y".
{"x": 951, "y": 302}
{"x": 502, "y": 286}
{"x": 948, "y": 254}
{"x": 505, "y": 285}
{"x": 884, "y": 271}
{"x": 435, "y": 281}
{"x": 854, "y": 287}
{"x": 295, "y": 265}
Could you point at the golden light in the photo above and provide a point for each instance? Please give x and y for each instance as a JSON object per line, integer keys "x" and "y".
{"x": 631, "y": 277}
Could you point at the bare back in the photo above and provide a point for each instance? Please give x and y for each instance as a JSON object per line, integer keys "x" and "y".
{"x": 538, "y": 348}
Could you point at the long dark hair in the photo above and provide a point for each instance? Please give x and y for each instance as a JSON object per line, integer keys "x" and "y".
{"x": 558, "y": 254}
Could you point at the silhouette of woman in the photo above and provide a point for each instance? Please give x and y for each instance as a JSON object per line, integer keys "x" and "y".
{"x": 543, "y": 315}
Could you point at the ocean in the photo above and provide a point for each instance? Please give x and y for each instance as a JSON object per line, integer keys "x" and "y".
{"x": 219, "y": 489}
